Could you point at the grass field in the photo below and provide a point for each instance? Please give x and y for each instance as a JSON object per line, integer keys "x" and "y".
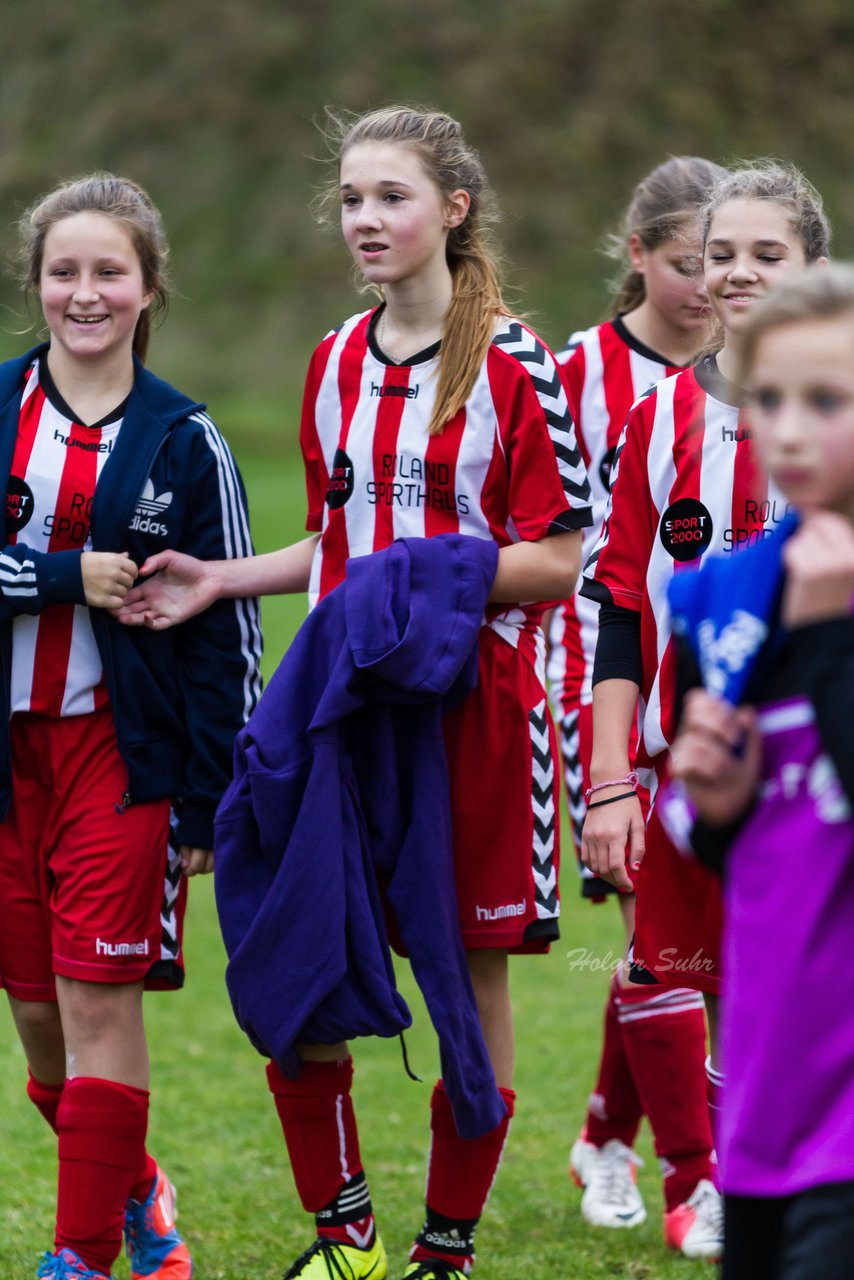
{"x": 214, "y": 1128}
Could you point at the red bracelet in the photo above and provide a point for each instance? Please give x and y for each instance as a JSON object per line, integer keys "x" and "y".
{"x": 630, "y": 780}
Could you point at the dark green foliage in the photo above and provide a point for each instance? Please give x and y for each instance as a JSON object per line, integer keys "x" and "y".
{"x": 214, "y": 109}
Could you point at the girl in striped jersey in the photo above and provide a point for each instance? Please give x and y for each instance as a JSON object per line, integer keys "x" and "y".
{"x": 654, "y": 1042}
{"x": 685, "y": 480}
{"x": 111, "y": 736}
{"x": 433, "y": 412}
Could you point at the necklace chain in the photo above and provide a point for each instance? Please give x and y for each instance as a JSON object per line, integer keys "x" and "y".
{"x": 381, "y": 339}
{"x": 381, "y": 334}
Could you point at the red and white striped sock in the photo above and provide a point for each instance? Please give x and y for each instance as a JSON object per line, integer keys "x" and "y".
{"x": 319, "y": 1124}
{"x": 614, "y": 1109}
{"x": 664, "y": 1033}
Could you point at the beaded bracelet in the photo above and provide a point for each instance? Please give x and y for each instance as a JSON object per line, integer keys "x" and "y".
{"x": 626, "y": 795}
{"x": 630, "y": 780}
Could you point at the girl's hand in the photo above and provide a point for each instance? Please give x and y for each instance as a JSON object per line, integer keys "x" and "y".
{"x": 717, "y": 756}
{"x": 819, "y": 560}
{"x": 107, "y": 578}
{"x": 196, "y": 862}
{"x": 609, "y": 829}
{"x": 179, "y": 588}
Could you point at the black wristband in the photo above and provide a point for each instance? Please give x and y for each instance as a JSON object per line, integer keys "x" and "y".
{"x": 597, "y": 804}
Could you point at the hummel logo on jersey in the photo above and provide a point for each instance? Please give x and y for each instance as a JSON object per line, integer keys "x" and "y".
{"x": 503, "y": 912}
{"x": 148, "y": 506}
{"x": 90, "y": 446}
{"x": 103, "y": 948}
{"x": 739, "y": 432}
{"x": 404, "y": 393}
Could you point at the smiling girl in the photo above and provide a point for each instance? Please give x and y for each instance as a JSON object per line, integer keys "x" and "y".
{"x": 685, "y": 481}
{"x": 108, "y": 731}
{"x": 653, "y": 1051}
{"x": 434, "y": 412}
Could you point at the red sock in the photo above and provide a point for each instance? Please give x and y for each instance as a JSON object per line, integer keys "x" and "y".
{"x": 102, "y": 1129}
{"x": 459, "y": 1179}
{"x": 143, "y": 1179}
{"x": 614, "y": 1109}
{"x": 46, "y": 1097}
{"x": 319, "y": 1124}
{"x": 664, "y": 1033}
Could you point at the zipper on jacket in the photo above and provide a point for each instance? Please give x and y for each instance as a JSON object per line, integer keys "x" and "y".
{"x": 100, "y": 629}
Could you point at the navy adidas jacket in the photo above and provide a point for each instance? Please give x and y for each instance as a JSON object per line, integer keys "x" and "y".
{"x": 340, "y": 778}
{"x": 178, "y": 697}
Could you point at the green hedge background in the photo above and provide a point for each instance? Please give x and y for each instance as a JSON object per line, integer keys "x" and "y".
{"x": 214, "y": 108}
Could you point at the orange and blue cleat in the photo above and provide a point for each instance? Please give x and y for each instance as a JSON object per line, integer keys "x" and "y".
{"x": 66, "y": 1265}
{"x": 155, "y": 1249}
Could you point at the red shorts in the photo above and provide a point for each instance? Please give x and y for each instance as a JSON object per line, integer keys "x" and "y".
{"x": 678, "y": 916}
{"x": 501, "y": 750}
{"x": 90, "y": 889}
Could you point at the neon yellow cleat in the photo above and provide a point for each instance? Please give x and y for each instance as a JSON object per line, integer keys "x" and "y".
{"x": 330, "y": 1260}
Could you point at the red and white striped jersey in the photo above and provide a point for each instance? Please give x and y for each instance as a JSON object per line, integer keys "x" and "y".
{"x": 686, "y": 481}
{"x": 606, "y": 369}
{"x": 506, "y": 467}
{"x": 56, "y": 667}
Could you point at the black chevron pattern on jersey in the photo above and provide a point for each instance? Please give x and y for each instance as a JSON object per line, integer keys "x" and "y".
{"x": 169, "y": 942}
{"x": 543, "y": 371}
{"x": 543, "y": 811}
{"x": 570, "y": 747}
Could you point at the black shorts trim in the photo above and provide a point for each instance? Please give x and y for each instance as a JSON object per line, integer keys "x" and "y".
{"x": 542, "y": 931}
{"x": 596, "y": 889}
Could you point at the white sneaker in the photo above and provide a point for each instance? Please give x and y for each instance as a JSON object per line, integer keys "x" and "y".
{"x": 581, "y": 1160}
{"x": 696, "y": 1228}
{"x": 608, "y": 1175}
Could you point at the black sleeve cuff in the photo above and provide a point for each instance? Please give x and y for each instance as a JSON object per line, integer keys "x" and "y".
{"x": 570, "y": 520}
{"x": 618, "y": 646}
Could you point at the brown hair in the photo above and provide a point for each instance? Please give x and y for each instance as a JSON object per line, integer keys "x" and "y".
{"x": 780, "y": 183}
{"x": 118, "y": 198}
{"x": 662, "y": 204}
{"x": 476, "y": 300}
{"x": 818, "y": 293}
